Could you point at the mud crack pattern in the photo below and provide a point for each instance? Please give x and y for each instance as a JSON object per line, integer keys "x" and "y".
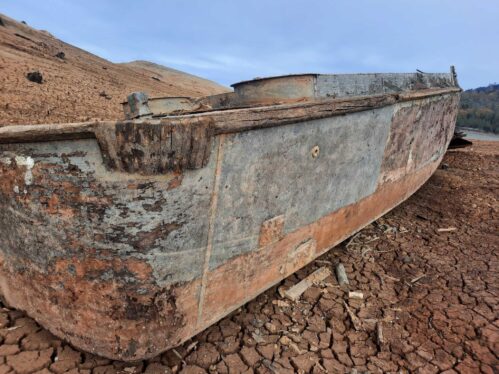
{"x": 430, "y": 299}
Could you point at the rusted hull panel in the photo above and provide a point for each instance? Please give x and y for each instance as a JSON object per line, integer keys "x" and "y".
{"x": 130, "y": 241}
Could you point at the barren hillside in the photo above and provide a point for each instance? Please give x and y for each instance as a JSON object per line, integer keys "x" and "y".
{"x": 166, "y": 74}
{"x": 76, "y": 85}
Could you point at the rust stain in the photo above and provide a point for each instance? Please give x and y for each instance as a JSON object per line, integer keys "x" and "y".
{"x": 145, "y": 239}
{"x": 175, "y": 182}
{"x": 230, "y": 285}
{"x": 12, "y": 177}
{"x": 299, "y": 256}
{"x": 53, "y": 204}
{"x": 126, "y": 321}
{"x": 271, "y": 231}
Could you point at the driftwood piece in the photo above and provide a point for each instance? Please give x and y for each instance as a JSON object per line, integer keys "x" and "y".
{"x": 298, "y": 289}
{"x": 280, "y": 303}
{"x": 357, "y": 324}
{"x": 341, "y": 275}
{"x": 447, "y": 229}
{"x": 380, "y": 338}
{"x": 356, "y": 295}
{"x": 418, "y": 278}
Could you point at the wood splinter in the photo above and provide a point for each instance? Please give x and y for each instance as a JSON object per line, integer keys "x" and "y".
{"x": 380, "y": 338}
{"x": 418, "y": 278}
{"x": 341, "y": 275}
{"x": 298, "y": 289}
{"x": 447, "y": 229}
{"x": 357, "y": 324}
{"x": 356, "y": 295}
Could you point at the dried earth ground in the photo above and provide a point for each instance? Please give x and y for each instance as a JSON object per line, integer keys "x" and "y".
{"x": 430, "y": 299}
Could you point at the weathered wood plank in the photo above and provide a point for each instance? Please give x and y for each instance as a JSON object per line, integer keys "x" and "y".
{"x": 298, "y": 289}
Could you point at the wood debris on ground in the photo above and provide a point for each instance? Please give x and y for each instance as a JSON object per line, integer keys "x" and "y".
{"x": 357, "y": 323}
{"x": 280, "y": 303}
{"x": 355, "y": 295}
{"x": 419, "y": 277}
{"x": 298, "y": 289}
{"x": 447, "y": 229}
{"x": 341, "y": 275}
{"x": 380, "y": 338}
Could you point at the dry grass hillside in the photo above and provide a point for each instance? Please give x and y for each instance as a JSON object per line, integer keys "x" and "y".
{"x": 76, "y": 85}
{"x": 166, "y": 74}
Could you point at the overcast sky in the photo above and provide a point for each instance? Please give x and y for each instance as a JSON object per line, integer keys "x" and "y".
{"x": 230, "y": 40}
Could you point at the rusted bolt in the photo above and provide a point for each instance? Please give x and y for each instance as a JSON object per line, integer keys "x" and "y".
{"x": 315, "y": 151}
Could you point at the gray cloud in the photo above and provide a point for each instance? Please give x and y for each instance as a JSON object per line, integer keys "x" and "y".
{"x": 229, "y": 41}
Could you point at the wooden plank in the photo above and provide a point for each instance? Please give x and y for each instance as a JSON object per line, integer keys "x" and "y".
{"x": 298, "y": 289}
{"x": 233, "y": 120}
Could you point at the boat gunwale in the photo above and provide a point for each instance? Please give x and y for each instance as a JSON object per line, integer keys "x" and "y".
{"x": 298, "y": 75}
{"x": 227, "y": 120}
{"x": 170, "y": 97}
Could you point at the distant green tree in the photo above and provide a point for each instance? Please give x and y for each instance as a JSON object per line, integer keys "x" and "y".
{"x": 480, "y": 109}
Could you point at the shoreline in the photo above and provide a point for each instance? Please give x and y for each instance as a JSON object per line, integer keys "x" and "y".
{"x": 474, "y": 134}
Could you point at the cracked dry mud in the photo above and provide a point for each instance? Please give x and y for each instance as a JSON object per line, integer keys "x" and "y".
{"x": 430, "y": 299}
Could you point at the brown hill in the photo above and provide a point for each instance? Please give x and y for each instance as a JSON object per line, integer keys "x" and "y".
{"x": 76, "y": 85}
{"x": 166, "y": 74}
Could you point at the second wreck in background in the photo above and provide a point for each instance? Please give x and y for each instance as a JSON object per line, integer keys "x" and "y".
{"x": 130, "y": 237}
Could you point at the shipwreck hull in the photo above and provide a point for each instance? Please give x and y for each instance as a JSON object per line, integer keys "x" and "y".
{"x": 128, "y": 238}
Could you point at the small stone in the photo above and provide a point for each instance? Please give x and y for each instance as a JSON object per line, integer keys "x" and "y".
{"x": 271, "y": 327}
{"x": 35, "y": 76}
{"x": 285, "y": 340}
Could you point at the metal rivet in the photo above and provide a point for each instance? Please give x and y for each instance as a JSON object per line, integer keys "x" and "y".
{"x": 315, "y": 151}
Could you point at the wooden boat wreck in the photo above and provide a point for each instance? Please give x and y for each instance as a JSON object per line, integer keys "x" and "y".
{"x": 127, "y": 238}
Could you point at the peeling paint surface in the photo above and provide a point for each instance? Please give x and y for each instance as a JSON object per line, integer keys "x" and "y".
{"x": 418, "y": 135}
{"x": 116, "y": 212}
{"x": 257, "y": 187}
